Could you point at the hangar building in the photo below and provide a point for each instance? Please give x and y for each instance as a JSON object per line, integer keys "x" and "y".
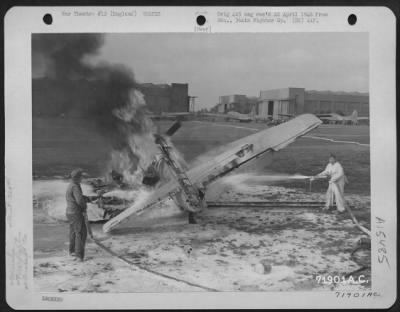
{"x": 237, "y": 102}
{"x": 166, "y": 98}
{"x": 294, "y": 101}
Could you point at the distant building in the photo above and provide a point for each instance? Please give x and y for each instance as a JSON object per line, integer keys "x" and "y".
{"x": 166, "y": 98}
{"x": 294, "y": 101}
{"x": 320, "y": 102}
{"x": 51, "y": 97}
{"x": 237, "y": 102}
{"x": 252, "y": 102}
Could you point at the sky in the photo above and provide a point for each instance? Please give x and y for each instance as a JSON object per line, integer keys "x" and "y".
{"x": 223, "y": 64}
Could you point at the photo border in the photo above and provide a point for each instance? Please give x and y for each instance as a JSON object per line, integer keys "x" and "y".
{"x": 382, "y": 59}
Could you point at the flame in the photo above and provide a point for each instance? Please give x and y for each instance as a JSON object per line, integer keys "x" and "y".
{"x": 141, "y": 148}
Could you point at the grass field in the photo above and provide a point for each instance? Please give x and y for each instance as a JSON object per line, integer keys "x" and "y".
{"x": 60, "y": 144}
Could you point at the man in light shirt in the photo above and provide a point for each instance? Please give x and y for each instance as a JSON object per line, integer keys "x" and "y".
{"x": 335, "y": 193}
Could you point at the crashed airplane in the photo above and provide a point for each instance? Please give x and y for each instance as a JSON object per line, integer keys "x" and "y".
{"x": 187, "y": 187}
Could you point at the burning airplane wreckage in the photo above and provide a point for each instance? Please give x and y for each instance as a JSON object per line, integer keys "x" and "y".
{"x": 168, "y": 176}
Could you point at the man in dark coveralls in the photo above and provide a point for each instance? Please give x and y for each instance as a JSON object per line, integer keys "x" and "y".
{"x": 76, "y": 212}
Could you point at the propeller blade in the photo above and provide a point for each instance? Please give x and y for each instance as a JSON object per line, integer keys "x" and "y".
{"x": 173, "y": 128}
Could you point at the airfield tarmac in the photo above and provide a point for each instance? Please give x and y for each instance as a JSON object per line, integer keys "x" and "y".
{"x": 228, "y": 243}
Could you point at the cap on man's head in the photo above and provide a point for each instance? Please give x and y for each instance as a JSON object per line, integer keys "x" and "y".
{"x": 76, "y": 173}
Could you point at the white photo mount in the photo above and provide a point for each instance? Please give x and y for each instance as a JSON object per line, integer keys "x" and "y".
{"x": 21, "y": 23}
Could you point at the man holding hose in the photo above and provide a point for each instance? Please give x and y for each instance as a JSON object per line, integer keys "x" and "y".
{"x": 335, "y": 193}
{"x": 76, "y": 214}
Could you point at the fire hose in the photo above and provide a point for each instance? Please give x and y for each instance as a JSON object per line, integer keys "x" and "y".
{"x": 363, "y": 243}
{"x": 114, "y": 254}
{"x": 352, "y": 216}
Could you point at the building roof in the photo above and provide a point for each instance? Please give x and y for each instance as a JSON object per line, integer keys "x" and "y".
{"x": 150, "y": 85}
{"x": 337, "y": 92}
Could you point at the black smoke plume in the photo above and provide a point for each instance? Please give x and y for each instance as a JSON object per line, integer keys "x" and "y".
{"x": 63, "y": 61}
{"x": 62, "y": 55}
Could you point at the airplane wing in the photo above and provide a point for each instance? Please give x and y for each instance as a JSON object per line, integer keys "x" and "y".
{"x": 148, "y": 199}
{"x": 235, "y": 154}
{"x": 241, "y": 151}
{"x": 327, "y": 117}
